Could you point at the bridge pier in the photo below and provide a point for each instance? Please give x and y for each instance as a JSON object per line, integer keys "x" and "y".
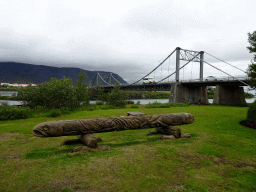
{"x": 191, "y": 94}
{"x": 229, "y": 95}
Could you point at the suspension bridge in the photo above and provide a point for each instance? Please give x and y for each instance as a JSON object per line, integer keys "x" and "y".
{"x": 229, "y": 90}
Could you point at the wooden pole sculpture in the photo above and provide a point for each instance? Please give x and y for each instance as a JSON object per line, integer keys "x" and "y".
{"x": 84, "y": 128}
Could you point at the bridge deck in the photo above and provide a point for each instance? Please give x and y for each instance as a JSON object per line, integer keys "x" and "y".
{"x": 167, "y": 86}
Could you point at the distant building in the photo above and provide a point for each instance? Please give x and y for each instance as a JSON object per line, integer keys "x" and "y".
{"x": 16, "y": 85}
{"x": 4, "y": 84}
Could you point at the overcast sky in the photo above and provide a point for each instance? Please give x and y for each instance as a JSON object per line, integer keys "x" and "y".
{"x": 129, "y": 38}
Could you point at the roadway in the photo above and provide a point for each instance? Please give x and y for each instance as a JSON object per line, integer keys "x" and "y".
{"x": 166, "y": 86}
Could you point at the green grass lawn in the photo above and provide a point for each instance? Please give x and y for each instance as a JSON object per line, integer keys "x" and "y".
{"x": 219, "y": 156}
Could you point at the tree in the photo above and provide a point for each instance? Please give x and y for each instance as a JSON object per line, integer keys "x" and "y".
{"x": 54, "y": 94}
{"x": 117, "y": 97}
{"x": 102, "y": 95}
{"x": 252, "y": 41}
{"x": 252, "y": 67}
{"x": 81, "y": 88}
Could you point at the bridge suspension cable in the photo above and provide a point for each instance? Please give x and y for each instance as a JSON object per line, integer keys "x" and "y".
{"x": 223, "y": 71}
{"x": 156, "y": 67}
{"x": 194, "y": 56}
{"x": 115, "y": 79}
{"x": 101, "y": 79}
{"x": 226, "y": 62}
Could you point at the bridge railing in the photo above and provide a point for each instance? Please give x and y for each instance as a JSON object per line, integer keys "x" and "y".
{"x": 223, "y": 78}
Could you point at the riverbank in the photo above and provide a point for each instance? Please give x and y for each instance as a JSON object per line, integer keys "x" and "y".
{"x": 141, "y": 101}
{"x": 219, "y": 155}
{"x": 12, "y": 95}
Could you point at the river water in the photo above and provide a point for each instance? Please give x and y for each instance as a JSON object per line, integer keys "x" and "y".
{"x": 142, "y": 101}
{"x": 147, "y": 101}
{"x": 8, "y": 93}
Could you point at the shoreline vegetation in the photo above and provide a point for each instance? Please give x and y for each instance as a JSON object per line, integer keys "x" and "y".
{"x": 220, "y": 155}
{"x": 133, "y": 95}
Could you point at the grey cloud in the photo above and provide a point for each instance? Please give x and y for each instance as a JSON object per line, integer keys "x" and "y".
{"x": 132, "y": 45}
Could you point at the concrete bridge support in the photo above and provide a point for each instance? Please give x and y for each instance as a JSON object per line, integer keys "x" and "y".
{"x": 229, "y": 95}
{"x": 189, "y": 93}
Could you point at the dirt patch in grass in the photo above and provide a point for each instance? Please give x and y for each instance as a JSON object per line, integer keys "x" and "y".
{"x": 7, "y": 151}
{"x": 195, "y": 160}
{"x": 236, "y": 164}
{"x": 63, "y": 184}
{"x": 9, "y": 136}
{"x": 200, "y": 161}
{"x": 12, "y": 155}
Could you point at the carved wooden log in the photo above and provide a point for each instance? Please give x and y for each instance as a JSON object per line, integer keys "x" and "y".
{"x": 85, "y": 126}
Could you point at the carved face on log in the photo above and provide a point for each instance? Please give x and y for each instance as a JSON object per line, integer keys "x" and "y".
{"x": 55, "y": 129}
{"x": 188, "y": 118}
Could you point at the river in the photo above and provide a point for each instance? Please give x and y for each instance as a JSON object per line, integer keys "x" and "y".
{"x": 8, "y": 93}
{"x": 142, "y": 101}
{"x": 146, "y": 101}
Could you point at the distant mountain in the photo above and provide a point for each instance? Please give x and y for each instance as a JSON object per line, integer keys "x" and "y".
{"x": 11, "y": 72}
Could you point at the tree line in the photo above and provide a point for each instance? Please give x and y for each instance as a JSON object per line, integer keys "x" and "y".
{"x": 61, "y": 93}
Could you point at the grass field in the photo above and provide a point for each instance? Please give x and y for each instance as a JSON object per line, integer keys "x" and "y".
{"x": 219, "y": 156}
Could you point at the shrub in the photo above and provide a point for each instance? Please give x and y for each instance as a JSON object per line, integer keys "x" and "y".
{"x": 54, "y": 94}
{"x": 104, "y": 107}
{"x": 135, "y": 106}
{"x": 98, "y": 103}
{"x": 12, "y": 113}
{"x": 117, "y": 97}
{"x": 40, "y": 109}
{"x": 165, "y": 105}
{"x": 53, "y": 113}
{"x": 4, "y": 97}
{"x": 89, "y": 109}
{"x": 129, "y": 102}
{"x": 102, "y": 95}
{"x": 251, "y": 114}
{"x": 65, "y": 110}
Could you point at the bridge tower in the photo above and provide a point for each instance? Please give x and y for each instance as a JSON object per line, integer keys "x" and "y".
{"x": 224, "y": 94}
{"x": 95, "y": 81}
{"x": 180, "y": 92}
{"x": 191, "y": 56}
{"x": 109, "y": 78}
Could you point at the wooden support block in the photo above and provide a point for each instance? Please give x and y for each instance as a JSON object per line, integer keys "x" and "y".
{"x": 167, "y": 137}
{"x": 186, "y": 135}
{"x": 71, "y": 142}
{"x": 170, "y": 130}
{"x": 89, "y": 140}
{"x": 175, "y": 131}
